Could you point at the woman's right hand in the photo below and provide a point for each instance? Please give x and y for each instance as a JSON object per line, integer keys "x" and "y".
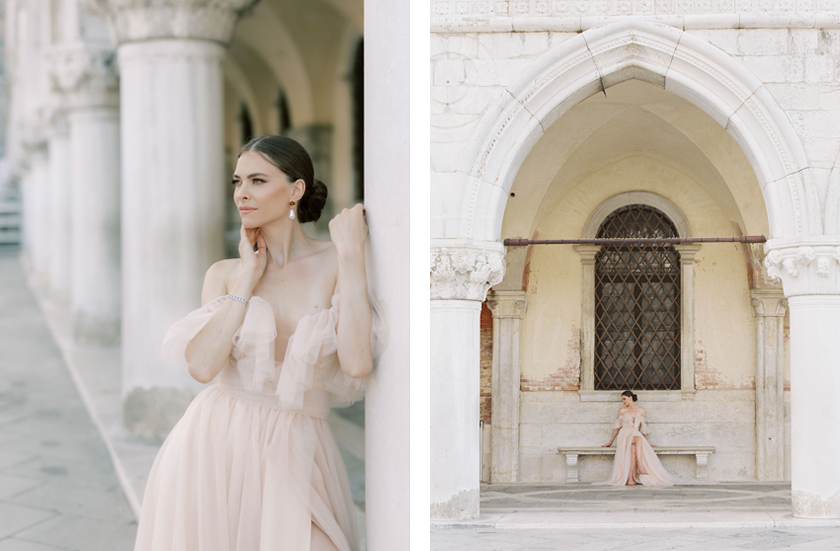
{"x": 253, "y": 263}
{"x": 607, "y": 445}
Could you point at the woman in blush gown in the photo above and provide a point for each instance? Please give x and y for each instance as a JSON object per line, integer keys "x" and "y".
{"x": 635, "y": 461}
{"x": 252, "y": 465}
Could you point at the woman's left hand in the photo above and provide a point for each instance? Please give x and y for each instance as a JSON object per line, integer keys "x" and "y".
{"x": 349, "y": 231}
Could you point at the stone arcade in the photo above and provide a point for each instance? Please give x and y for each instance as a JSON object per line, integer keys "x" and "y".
{"x": 125, "y": 117}
{"x": 549, "y": 117}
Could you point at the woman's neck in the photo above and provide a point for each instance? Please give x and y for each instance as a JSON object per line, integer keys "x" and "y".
{"x": 285, "y": 240}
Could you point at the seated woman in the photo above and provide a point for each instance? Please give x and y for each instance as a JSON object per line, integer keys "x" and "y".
{"x": 635, "y": 461}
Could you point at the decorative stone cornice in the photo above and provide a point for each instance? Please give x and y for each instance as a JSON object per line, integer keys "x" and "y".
{"x": 507, "y": 304}
{"x": 579, "y": 15}
{"x": 465, "y": 270}
{"x": 136, "y": 20}
{"x": 86, "y": 76}
{"x": 768, "y": 302}
{"x": 809, "y": 267}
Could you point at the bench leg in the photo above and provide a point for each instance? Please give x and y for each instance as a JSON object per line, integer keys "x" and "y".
{"x": 702, "y": 461}
{"x": 572, "y": 467}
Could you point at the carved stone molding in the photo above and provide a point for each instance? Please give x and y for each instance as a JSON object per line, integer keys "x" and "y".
{"x": 571, "y": 15}
{"x": 466, "y": 271}
{"x": 86, "y": 76}
{"x": 134, "y": 20}
{"x": 805, "y": 267}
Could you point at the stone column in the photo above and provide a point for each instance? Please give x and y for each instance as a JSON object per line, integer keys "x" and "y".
{"x": 461, "y": 273}
{"x": 387, "y": 202}
{"x": 687, "y": 252}
{"x": 60, "y": 214}
{"x": 587, "y": 365}
{"x": 508, "y": 309}
{"x": 769, "y": 306}
{"x": 36, "y": 197}
{"x": 173, "y": 184}
{"x": 87, "y": 77}
{"x": 810, "y": 274}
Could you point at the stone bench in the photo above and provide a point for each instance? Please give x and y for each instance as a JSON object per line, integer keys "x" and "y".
{"x": 701, "y": 453}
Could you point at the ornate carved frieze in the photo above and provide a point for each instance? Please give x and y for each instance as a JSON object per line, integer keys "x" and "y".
{"x": 466, "y": 272}
{"x": 87, "y": 76}
{"x": 133, "y": 20}
{"x": 461, "y": 14}
{"x": 805, "y": 268}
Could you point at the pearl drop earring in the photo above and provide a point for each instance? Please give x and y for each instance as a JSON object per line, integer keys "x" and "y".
{"x": 292, "y": 210}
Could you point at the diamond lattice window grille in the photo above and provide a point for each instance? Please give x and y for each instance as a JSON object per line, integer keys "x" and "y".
{"x": 637, "y": 304}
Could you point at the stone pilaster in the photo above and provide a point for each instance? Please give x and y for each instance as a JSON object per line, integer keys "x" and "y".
{"x": 587, "y": 307}
{"x": 687, "y": 253}
{"x": 461, "y": 274}
{"x": 810, "y": 272}
{"x": 87, "y": 78}
{"x": 508, "y": 309}
{"x": 769, "y": 306}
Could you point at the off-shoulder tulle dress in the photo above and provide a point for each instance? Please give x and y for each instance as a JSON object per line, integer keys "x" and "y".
{"x": 253, "y": 463}
{"x": 630, "y": 426}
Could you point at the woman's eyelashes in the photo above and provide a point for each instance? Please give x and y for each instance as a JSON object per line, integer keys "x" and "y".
{"x": 237, "y": 181}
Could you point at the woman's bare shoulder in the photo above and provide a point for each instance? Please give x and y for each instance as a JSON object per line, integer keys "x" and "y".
{"x": 221, "y": 272}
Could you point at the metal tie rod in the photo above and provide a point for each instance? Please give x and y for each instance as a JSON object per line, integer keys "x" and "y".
{"x": 517, "y": 242}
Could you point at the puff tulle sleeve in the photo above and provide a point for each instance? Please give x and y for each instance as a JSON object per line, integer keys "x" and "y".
{"x": 181, "y": 332}
{"x": 253, "y": 342}
{"x": 314, "y": 338}
{"x": 617, "y": 424}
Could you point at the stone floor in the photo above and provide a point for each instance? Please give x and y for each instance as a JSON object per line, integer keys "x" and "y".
{"x": 58, "y": 487}
{"x": 585, "y": 517}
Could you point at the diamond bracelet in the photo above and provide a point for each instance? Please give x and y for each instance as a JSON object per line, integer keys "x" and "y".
{"x": 238, "y": 299}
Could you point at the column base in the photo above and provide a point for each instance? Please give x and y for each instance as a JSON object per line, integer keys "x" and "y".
{"x": 88, "y": 329}
{"x": 808, "y": 505}
{"x": 152, "y": 412}
{"x": 462, "y": 506}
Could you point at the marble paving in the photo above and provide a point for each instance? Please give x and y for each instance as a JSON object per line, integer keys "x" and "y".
{"x": 736, "y": 516}
{"x": 58, "y": 487}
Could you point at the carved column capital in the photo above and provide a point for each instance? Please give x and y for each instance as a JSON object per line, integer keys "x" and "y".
{"x": 805, "y": 267}
{"x": 465, "y": 270}
{"x": 85, "y": 75}
{"x": 507, "y": 304}
{"x": 768, "y": 302}
{"x": 687, "y": 252}
{"x": 135, "y": 20}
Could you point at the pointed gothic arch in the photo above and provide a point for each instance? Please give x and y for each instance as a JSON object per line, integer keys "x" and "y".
{"x": 661, "y": 55}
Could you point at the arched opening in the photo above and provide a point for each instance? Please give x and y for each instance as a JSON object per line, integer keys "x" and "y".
{"x": 630, "y": 108}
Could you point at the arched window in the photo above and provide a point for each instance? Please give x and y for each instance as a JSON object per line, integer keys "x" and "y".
{"x": 637, "y": 304}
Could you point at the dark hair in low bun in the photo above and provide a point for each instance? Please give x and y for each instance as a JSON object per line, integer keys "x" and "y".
{"x": 630, "y": 393}
{"x": 290, "y": 157}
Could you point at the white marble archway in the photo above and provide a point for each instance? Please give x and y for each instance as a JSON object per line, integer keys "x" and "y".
{"x": 799, "y": 253}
